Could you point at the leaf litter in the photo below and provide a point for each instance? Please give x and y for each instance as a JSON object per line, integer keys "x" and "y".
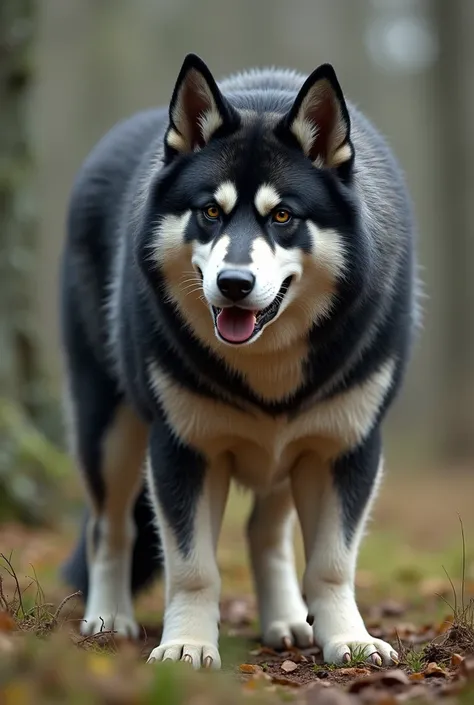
{"x": 44, "y": 660}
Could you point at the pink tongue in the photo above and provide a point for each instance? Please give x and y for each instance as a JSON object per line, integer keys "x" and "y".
{"x": 236, "y": 324}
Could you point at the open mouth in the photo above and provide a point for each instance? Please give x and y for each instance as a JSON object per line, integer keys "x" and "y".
{"x": 238, "y": 325}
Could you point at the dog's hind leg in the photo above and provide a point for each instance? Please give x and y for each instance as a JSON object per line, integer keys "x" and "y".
{"x": 270, "y": 536}
{"x": 333, "y": 501}
{"x": 108, "y": 442}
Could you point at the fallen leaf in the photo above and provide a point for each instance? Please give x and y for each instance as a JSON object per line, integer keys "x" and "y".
{"x": 7, "y": 623}
{"x": 387, "y": 679}
{"x": 354, "y": 671}
{"x": 288, "y": 666}
{"x": 249, "y": 668}
{"x": 456, "y": 660}
{"x": 416, "y": 677}
{"x": 433, "y": 670}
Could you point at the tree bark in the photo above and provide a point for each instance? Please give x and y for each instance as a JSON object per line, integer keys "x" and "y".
{"x": 26, "y": 457}
{"x": 455, "y": 146}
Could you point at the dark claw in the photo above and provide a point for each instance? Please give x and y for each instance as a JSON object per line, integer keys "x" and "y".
{"x": 310, "y": 619}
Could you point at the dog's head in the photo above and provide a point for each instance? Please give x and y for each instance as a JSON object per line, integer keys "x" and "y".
{"x": 254, "y": 207}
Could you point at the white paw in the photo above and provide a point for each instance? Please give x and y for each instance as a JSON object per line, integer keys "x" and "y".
{"x": 282, "y": 634}
{"x": 344, "y": 648}
{"x": 122, "y": 624}
{"x": 199, "y": 655}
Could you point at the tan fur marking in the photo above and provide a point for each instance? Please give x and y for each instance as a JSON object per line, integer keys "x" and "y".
{"x": 226, "y": 196}
{"x": 266, "y": 199}
{"x": 266, "y": 447}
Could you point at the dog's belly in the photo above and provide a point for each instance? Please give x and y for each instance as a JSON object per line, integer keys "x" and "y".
{"x": 263, "y": 448}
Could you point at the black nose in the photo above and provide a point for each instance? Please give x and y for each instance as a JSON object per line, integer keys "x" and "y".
{"x": 235, "y": 284}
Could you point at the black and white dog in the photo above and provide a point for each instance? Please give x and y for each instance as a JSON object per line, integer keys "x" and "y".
{"x": 238, "y": 301}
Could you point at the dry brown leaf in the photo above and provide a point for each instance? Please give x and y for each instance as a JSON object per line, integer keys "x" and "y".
{"x": 249, "y": 668}
{"x": 387, "y": 679}
{"x": 354, "y": 671}
{"x": 417, "y": 677}
{"x": 456, "y": 660}
{"x": 433, "y": 669}
{"x": 288, "y": 666}
{"x": 7, "y": 623}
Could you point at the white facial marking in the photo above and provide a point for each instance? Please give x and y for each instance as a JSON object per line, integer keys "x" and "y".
{"x": 169, "y": 240}
{"x": 266, "y": 199}
{"x": 226, "y": 196}
{"x": 328, "y": 250}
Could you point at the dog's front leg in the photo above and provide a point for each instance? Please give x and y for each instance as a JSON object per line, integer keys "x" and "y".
{"x": 333, "y": 503}
{"x": 189, "y": 497}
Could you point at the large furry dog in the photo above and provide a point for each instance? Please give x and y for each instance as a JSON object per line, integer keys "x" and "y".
{"x": 237, "y": 304}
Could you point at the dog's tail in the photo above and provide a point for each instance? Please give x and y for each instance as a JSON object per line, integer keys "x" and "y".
{"x": 146, "y": 562}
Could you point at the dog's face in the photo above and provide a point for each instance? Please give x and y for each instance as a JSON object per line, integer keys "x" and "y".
{"x": 253, "y": 211}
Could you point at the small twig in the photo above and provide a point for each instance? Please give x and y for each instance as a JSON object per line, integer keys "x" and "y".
{"x": 463, "y": 562}
{"x": 97, "y": 635}
{"x": 3, "y": 599}
{"x": 453, "y": 589}
{"x": 11, "y": 572}
{"x": 61, "y": 606}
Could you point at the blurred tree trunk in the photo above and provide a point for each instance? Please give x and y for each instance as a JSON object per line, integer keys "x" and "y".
{"x": 23, "y": 398}
{"x": 455, "y": 105}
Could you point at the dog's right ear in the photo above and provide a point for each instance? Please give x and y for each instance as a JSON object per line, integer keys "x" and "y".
{"x": 198, "y": 110}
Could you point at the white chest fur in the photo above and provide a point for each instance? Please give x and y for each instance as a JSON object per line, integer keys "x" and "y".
{"x": 263, "y": 447}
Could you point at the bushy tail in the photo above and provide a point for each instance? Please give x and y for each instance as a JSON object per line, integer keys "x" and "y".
{"x": 146, "y": 554}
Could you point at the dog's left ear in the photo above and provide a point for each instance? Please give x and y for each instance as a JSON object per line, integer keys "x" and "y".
{"x": 197, "y": 109}
{"x": 319, "y": 120}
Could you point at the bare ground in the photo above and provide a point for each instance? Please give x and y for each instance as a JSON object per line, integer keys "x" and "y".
{"x": 403, "y": 590}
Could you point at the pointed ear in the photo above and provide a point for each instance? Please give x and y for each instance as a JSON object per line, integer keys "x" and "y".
{"x": 197, "y": 109}
{"x": 319, "y": 120}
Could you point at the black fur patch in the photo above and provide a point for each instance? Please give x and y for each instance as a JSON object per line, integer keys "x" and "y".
{"x": 354, "y": 476}
{"x": 178, "y": 476}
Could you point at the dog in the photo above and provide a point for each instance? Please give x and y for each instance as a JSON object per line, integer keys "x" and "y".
{"x": 238, "y": 302}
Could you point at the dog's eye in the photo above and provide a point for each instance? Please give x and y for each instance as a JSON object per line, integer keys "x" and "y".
{"x": 212, "y": 212}
{"x": 281, "y": 216}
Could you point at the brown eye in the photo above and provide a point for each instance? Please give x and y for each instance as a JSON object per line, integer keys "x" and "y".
{"x": 281, "y": 216}
{"x": 212, "y": 212}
